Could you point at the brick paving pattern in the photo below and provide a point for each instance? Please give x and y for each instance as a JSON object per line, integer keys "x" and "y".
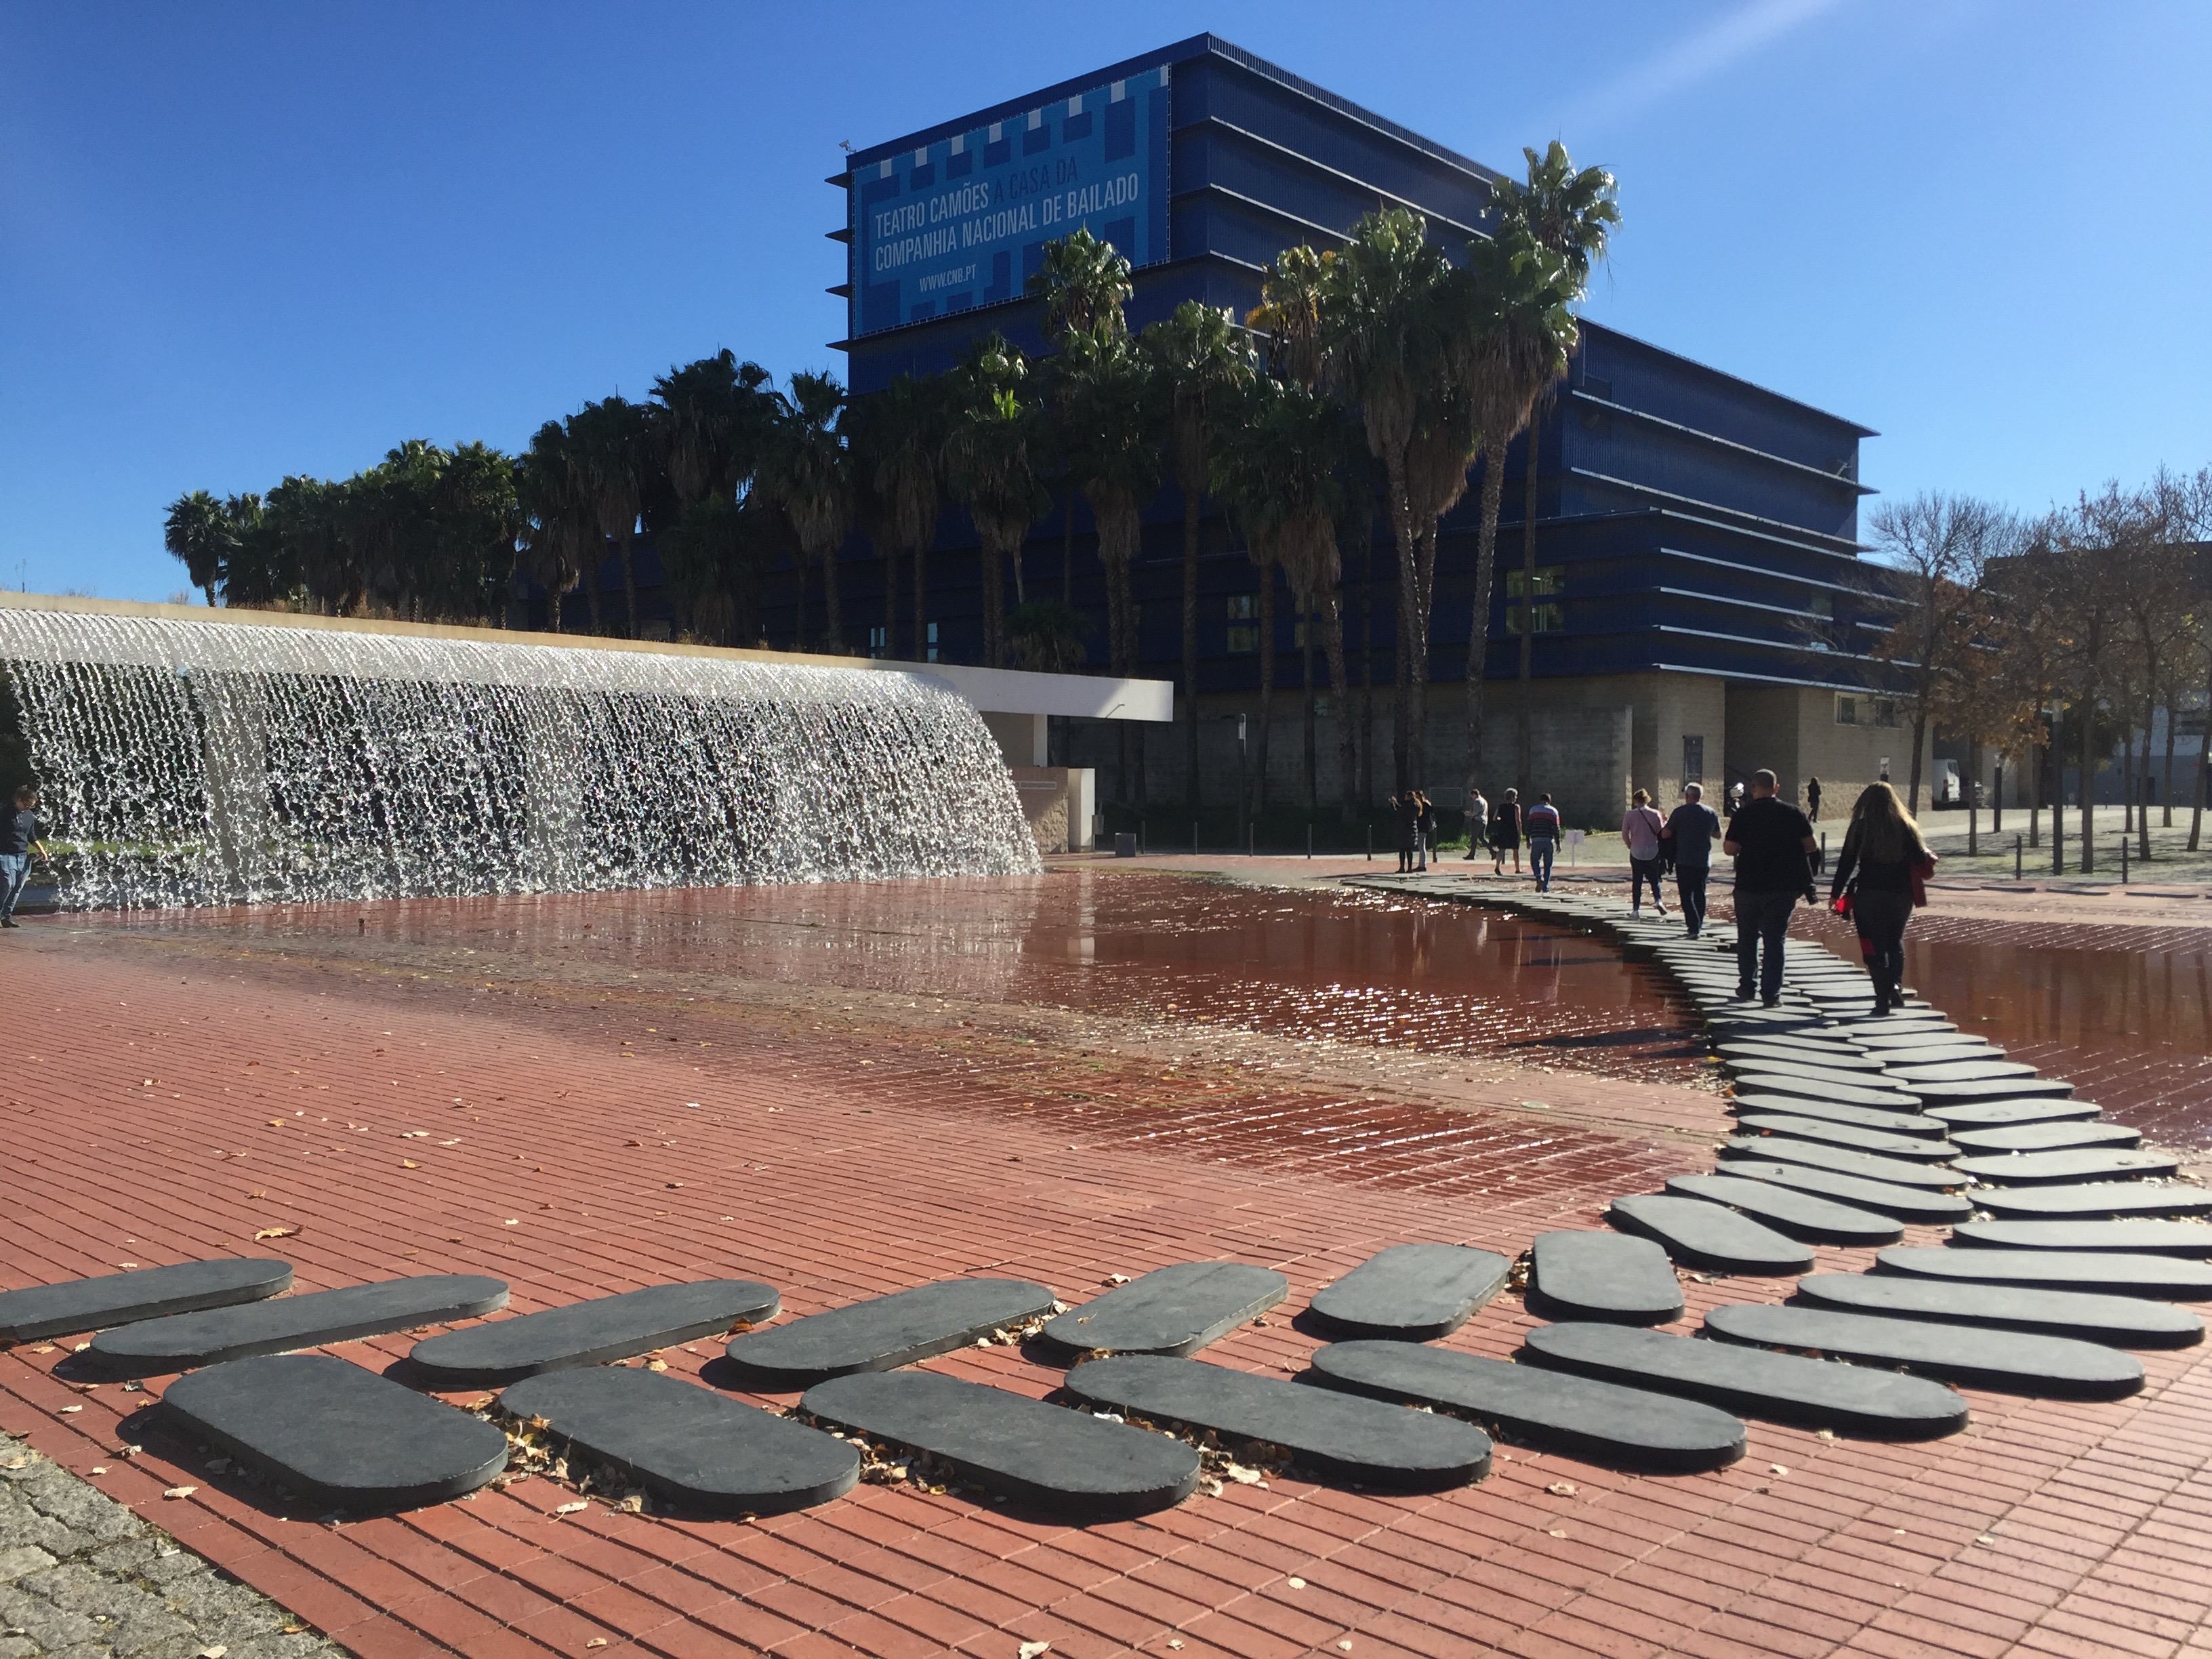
{"x": 581, "y": 1126}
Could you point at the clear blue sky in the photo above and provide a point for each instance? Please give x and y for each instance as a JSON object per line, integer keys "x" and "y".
{"x": 238, "y": 241}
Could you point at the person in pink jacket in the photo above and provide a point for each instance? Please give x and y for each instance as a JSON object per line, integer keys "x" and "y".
{"x": 1640, "y": 829}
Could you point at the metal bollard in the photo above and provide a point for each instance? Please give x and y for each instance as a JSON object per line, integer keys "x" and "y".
{"x": 2017, "y": 866}
{"x": 2124, "y": 860}
{"x": 1309, "y": 840}
{"x": 1371, "y": 843}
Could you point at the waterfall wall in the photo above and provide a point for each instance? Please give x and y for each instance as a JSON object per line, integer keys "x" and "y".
{"x": 195, "y": 763}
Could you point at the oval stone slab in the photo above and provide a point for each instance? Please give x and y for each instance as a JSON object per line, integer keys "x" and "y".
{"x": 1835, "y": 1056}
{"x": 1798, "y": 1082}
{"x": 1753, "y": 1382}
{"x": 1709, "y": 1235}
{"x": 1063, "y": 1460}
{"x": 1958, "y": 1071}
{"x": 595, "y": 1333}
{"x": 1361, "y": 1440}
{"x": 95, "y": 1304}
{"x": 1413, "y": 1292}
{"x": 2114, "y": 1273}
{"x": 1861, "y": 1117}
{"x": 1604, "y": 1276}
{"x": 1867, "y": 1166}
{"x": 2052, "y": 1366}
{"x": 1172, "y": 1311}
{"x": 2046, "y": 1138}
{"x": 2096, "y": 1199}
{"x": 2135, "y": 1236}
{"x": 2005, "y": 1087}
{"x": 1556, "y": 1411}
{"x": 183, "y": 1340}
{"x": 688, "y": 1444}
{"x": 2065, "y": 1169}
{"x": 340, "y": 1435}
{"x": 1801, "y": 1215}
{"x": 1910, "y": 1204}
{"x": 1999, "y": 1114}
{"x": 887, "y": 1332}
{"x": 1850, "y": 1137}
{"x": 2122, "y": 1322}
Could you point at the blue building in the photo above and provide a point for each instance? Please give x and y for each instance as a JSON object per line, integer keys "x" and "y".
{"x": 1697, "y": 559}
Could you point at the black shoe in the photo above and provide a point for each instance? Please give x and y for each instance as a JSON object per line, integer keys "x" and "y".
{"x": 1771, "y": 1002}
{"x": 9, "y": 921}
{"x": 1744, "y": 993}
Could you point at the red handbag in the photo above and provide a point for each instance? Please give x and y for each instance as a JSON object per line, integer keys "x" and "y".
{"x": 1921, "y": 872}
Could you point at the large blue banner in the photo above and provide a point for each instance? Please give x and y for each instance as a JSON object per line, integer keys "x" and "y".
{"x": 963, "y": 222}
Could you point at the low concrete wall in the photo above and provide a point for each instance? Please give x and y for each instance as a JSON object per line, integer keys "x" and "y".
{"x": 1058, "y": 801}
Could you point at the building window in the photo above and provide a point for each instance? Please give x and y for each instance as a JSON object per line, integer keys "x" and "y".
{"x": 1693, "y": 760}
{"x": 1243, "y": 624}
{"x": 1884, "y": 711}
{"x": 1550, "y": 579}
{"x": 879, "y": 644}
{"x": 932, "y": 654}
{"x": 1549, "y": 618}
{"x": 1847, "y": 710}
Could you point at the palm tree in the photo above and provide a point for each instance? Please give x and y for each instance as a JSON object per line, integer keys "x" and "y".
{"x": 714, "y": 417}
{"x": 906, "y": 431}
{"x": 1046, "y": 636}
{"x": 560, "y": 529}
{"x": 305, "y": 512}
{"x": 613, "y": 439}
{"x": 990, "y": 470}
{"x": 1201, "y": 363}
{"x": 474, "y": 520}
{"x": 1289, "y": 314}
{"x": 1573, "y": 213}
{"x": 1509, "y": 335}
{"x": 198, "y": 531}
{"x": 1380, "y": 345}
{"x": 808, "y": 473}
{"x": 1083, "y": 283}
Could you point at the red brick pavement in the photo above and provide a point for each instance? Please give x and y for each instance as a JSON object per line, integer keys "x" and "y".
{"x": 173, "y": 1101}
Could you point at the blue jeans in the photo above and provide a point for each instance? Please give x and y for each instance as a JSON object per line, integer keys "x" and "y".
{"x": 1541, "y": 851}
{"x": 1690, "y": 884}
{"x": 14, "y": 868}
{"x": 1761, "y": 919}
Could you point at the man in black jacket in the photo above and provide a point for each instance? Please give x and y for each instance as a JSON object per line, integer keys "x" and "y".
{"x": 20, "y": 832}
{"x": 1772, "y": 845}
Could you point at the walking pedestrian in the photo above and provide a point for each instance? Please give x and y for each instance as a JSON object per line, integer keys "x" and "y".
{"x": 1478, "y": 825}
{"x": 1812, "y": 798}
{"x": 1640, "y": 827}
{"x": 1772, "y": 843}
{"x": 1692, "y": 829}
{"x": 1406, "y": 816}
{"x": 1542, "y": 822}
{"x": 1879, "y": 879}
{"x": 21, "y": 835}
{"x": 1505, "y": 833}
{"x": 1424, "y": 828}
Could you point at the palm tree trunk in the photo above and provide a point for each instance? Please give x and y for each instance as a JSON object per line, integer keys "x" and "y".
{"x": 1347, "y": 735}
{"x": 1021, "y": 587}
{"x": 994, "y": 605}
{"x": 1267, "y": 681}
{"x": 591, "y": 589}
{"x": 1067, "y": 552}
{"x": 629, "y": 577}
{"x": 1478, "y": 639}
{"x": 1306, "y": 683}
{"x": 1416, "y": 745}
{"x": 833, "y": 621}
{"x": 921, "y": 601}
{"x": 890, "y": 601}
{"x": 1525, "y": 760}
{"x": 1410, "y": 640}
{"x": 799, "y": 617}
{"x": 1190, "y": 527}
{"x": 1367, "y": 799}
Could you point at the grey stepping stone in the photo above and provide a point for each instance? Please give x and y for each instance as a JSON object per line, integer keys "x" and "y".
{"x": 1588, "y": 1275}
{"x": 1413, "y": 1292}
{"x": 342, "y": 1437}
{"x": 1338, "y": 1434}
{"x": 1911, "y": 1204}
{"x": 1999, "y": 1114}
{"x": 2065, "y": 1169}
{"x": 183, "y": 1340}
{"x": 2135, "y": 1236}
{"x": 886, "y": 1332}
{"x": 1801, "y": 1215}
{"x": 2125, "y": 1321}
{"x": 95, "y": 1304}
{"x": 2095, "y": 1199}
{"x": 2046, "y": 1138}
{"x": 688, "y": 1444}
{"x": 1774, "y": 1149}
{"x": 1996, "y": 1088}
{"x": 1172, "y": 1310}
{"x": 594, "y": 1333}
{"x": 1947, "y": 1054}
{"x": 1801, "y": 1081}
{"x": 2114, "y": 1273}
{"x": 1958, "y": 1071}
{"x": 1832, "y": 1057}
{"x": 1863, "y": 1117}
{"x": 1876, "y": 1041}
{"x": 1555, "y": 1411}
{"x": 1065, "y": 1462}
{"x": 2048, "y": 1365}
{"x": 1709, "y": 1235}
{"x": 1753, "y": 1382}
{"x": 1917, "y": 1148}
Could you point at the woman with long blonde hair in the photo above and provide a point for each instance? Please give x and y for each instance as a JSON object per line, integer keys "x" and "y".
{"x": 1876, "y": 884}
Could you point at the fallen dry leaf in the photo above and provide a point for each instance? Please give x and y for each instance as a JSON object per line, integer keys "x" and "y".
{"x": 69, "y": 1410}
{"x": 570, "y": 1509}
{"x": 179, "y": 1492}
{"x": 97, "y": 1468}
{"x": 1555, "y": 1532}
{"x": 408, "y": 1163}
{"x": 275, "y": 1233}
{"x": 1034, "y": 1649}
{"x": 596, "y": 1641}
{"x": 258, "y": 1192}
{"x": 215, "y": 1652}
{"x": 44, "y": 1347}
{"x": 1561, "y": 1489}
{"x": 656, "y": 1365}
{"x": 1777, "y": 1468}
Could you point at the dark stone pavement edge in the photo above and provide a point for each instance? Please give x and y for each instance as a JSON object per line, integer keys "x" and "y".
{"x": 83, "y": 1577}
